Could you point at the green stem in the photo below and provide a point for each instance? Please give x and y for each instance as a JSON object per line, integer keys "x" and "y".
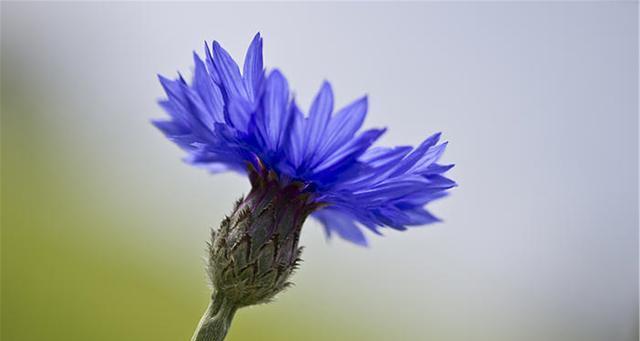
{"x": 216, "y": 320}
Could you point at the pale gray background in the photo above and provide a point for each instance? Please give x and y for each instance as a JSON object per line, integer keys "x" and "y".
{"x": 538, "y": 101}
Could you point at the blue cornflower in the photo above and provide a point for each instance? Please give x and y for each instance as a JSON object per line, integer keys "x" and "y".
{"x": 227, "y": 120}
{"x": 299, "y": 165}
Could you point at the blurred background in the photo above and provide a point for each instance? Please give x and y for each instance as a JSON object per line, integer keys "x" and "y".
{"x": 104, "y": 228}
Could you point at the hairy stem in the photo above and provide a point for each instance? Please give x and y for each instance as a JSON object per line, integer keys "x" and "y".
{"x": 216, "y": 320}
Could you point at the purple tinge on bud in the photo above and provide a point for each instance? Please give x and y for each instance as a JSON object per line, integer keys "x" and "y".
{"x": 256, "y": 249}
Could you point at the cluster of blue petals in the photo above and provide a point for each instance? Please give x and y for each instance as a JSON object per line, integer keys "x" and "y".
{"x": 225, "y": 119}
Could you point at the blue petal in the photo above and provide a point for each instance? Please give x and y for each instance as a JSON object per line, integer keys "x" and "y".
{"x": 350, "y": 151}
{"x": 415, "y": 156}
{"x": 380, "y": 156}
{"x": 393, "y": 217}
{"x": 171, "y": 128}
{"x": 208, "y": 90}
{"x": 238, "y": 114}
{"x": 173, "y": 111}
{"x": 198, "y": 109}
{"x": 391, "y": 191}
{"x": 436, "y": 168}
{"x": 380, "y": 162}
{"x": 275, "y": 110}
{"x": 319, "y": 116}
{"x": 298, "y": 138}
{"x": 173, "y": 90}
{"x": 341, "y": 128}
{"x": 228, "y": 71}
{"x": 419, "y": 216}
{"x": 336, "y": 221}
{"x": 423, "y": 197}
{"x": 185, "y": 108}
{"x": 210, "y": 65}
{"x": 253, "y": 72}
{"x": 430, "y": 157}
{"x": 439, "y": 181}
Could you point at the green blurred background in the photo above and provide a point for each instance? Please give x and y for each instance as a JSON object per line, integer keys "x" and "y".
{"x": 103, "y": 229}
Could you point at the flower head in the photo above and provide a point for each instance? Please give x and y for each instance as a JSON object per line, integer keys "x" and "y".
{"x": 226, "y": 119}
